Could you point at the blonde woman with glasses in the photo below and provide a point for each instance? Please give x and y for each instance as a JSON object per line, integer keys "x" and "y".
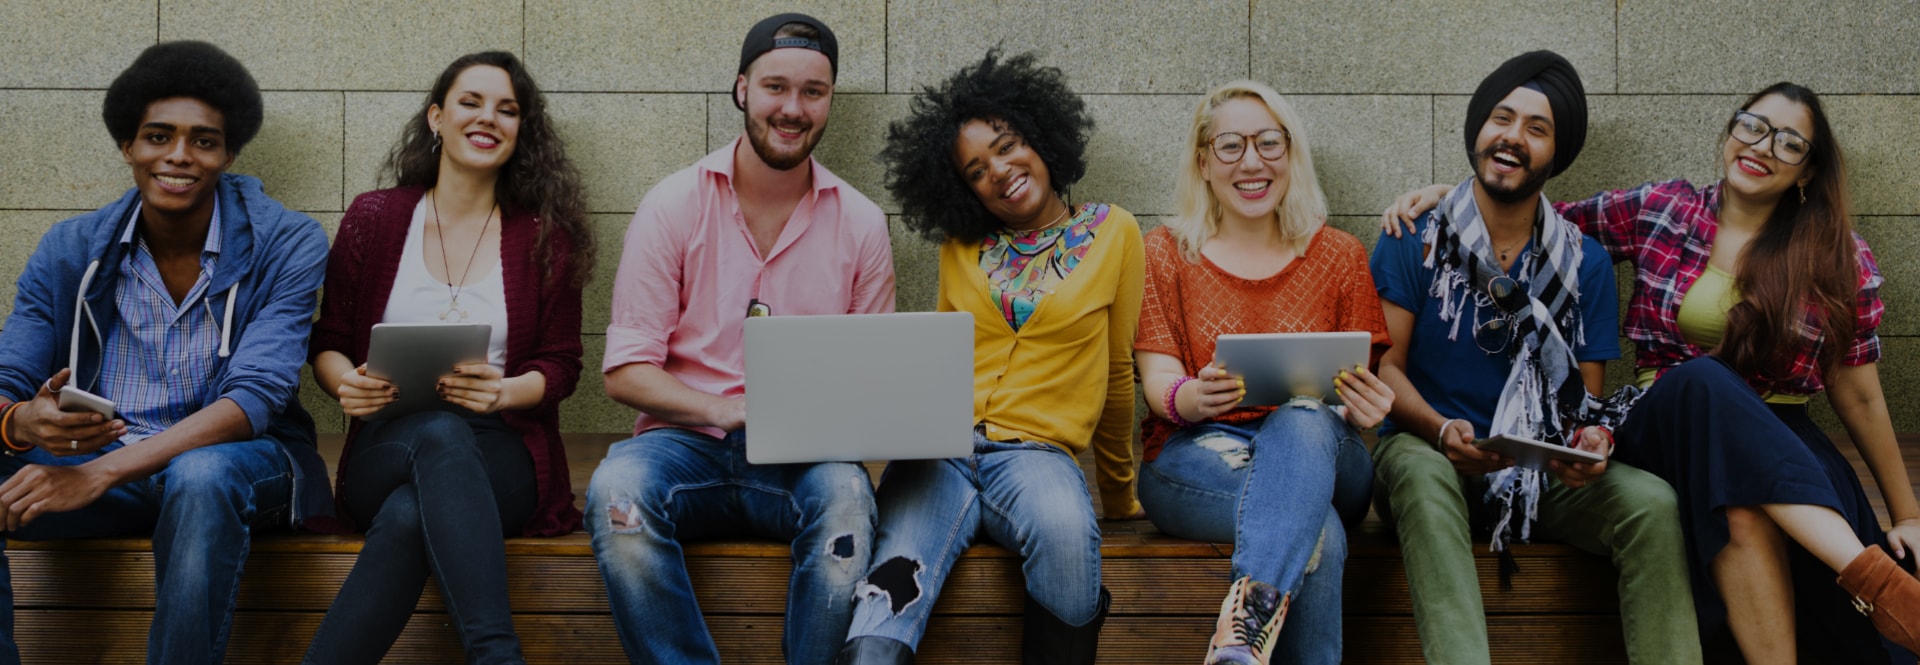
{"x": 1250, "y": 252}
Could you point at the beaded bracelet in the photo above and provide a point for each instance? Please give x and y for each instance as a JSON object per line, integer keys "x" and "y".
{"x": 1173, "y": 409}
{"x": 6, "y": 421}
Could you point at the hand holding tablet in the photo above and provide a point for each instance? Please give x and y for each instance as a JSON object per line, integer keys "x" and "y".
{"x": 414, "y": 356}
{"x": 1535, "y": 454}
{"x": 1277, "y": 367}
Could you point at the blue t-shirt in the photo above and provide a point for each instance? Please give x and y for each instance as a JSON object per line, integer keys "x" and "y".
{"x": 1455, "y": 376}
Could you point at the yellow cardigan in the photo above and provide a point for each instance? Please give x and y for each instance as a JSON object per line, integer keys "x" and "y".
{"x": 1066, "y": 377}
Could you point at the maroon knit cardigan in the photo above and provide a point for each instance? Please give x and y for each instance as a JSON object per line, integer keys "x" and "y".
{"x": 543, "y": 332}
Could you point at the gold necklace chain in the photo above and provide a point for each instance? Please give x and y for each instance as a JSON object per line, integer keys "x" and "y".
{"x": 1064, "y": 215}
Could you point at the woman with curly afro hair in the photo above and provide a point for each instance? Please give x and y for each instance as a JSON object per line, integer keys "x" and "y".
{"x": 982, "y": 165}
{"x": 486, "y": 224}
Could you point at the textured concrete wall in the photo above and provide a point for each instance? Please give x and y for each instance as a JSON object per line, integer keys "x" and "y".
{"x": 638, "y": 89}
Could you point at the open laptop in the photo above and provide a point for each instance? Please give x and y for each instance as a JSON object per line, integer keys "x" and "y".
{"x": 848, "y": 388}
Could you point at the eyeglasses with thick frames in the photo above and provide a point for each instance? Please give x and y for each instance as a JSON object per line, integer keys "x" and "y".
{"x": 1788, "y": 146}
{"x": 1230, "y": 148}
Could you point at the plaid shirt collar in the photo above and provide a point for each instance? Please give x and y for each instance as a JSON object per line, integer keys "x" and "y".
{"x": 208, "y": 251}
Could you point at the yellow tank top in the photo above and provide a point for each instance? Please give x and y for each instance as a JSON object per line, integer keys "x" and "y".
{"x": 1703, "y": 320}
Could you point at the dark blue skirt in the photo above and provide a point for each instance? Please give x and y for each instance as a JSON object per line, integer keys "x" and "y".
{"x": 1704, "y": 430}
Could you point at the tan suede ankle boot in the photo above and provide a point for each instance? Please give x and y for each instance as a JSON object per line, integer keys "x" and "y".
{"x": 1886, "y": 594}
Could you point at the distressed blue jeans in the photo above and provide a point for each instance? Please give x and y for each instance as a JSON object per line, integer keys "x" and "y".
{"x": 1281, "y": 489}
{"x": 1027, "y": 497}
{"x": 670, "y": 485}
{"x": 201, "y": 511}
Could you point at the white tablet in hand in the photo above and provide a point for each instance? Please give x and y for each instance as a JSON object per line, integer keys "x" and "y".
{"x": 1534, "y": 454}
{"x": 1280, "y": 366}
{"x": 413, "y": 357}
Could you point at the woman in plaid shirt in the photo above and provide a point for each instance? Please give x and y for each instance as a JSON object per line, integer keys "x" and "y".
{"x": 1759, "y": 282}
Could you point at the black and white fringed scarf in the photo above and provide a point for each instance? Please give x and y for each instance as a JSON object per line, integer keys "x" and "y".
{"x": 1544, "y": 398}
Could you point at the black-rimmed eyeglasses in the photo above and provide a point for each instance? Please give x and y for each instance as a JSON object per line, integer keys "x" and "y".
{"x": 1788, "y": 146}
{"x": 1230, "y": 147}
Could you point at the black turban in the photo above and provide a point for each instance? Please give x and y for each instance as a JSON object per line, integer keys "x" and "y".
{"x": 1554, "y": 77}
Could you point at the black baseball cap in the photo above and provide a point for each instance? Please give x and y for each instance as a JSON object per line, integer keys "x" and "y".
{"x": 760, "y": 40}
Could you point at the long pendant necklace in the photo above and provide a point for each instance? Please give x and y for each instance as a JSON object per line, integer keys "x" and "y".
{"x": 454, "y": 313}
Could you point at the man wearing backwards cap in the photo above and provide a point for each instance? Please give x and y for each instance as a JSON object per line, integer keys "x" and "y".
{"x": 755, "y": 228}
{"x": 1503, "y": 317}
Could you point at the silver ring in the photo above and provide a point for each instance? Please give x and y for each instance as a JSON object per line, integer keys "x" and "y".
{"x": 73, "y": 445}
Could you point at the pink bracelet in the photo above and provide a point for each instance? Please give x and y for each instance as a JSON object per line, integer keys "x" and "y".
{"x": 1173, "y": 410}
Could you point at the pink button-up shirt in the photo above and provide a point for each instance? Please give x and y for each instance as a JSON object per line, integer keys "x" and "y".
{"x": 690, "y": 270}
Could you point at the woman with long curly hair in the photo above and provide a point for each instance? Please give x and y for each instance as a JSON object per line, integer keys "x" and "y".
{"x": 486, "y": 224}
{"x": 1751, "y": 295}
{"x": 982, "y": 165}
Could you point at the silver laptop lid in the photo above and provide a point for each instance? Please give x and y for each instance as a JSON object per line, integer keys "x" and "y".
{"x": 859, "y": 387}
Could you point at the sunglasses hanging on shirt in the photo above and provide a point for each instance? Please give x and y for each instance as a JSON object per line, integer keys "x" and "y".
{"x": 1504, "y": 294}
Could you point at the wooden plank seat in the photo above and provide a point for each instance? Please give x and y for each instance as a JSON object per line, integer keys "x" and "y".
{"x": 1166, "y": 592}
{"x": 1562, "y": 607}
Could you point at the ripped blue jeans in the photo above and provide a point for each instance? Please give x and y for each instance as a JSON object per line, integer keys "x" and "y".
{"x": 670, "y": 485}
{"x": 1025, "y": 496}
{"x": 1282, "y": 489}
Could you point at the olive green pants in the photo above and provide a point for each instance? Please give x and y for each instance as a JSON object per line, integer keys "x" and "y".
{"x": 1627, "y": 515}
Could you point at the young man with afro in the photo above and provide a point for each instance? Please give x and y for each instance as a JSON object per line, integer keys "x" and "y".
{"x": 186, "y": 303}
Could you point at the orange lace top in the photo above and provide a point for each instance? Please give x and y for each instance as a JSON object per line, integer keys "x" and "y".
{"x": 1187, "y": 305}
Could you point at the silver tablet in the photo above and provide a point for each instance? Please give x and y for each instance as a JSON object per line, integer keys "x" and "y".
{"x": 1534, "y": 454}
{"x": 1280, "y": 366}
{"x": 413, "y": 357}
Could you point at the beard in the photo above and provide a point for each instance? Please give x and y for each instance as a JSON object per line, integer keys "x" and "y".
{"x": 1529, "y": 185}
{"x": 759, "y": 134}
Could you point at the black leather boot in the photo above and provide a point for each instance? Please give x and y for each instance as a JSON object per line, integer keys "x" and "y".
{"x": 874, "y": 650}
{"x": 1047, "y": 640}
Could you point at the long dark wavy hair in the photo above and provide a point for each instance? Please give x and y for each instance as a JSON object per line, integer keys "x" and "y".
{"x": 538, "y": 178}
{"x": 1034, "y": 100}
{"x": 1801, "y": 268}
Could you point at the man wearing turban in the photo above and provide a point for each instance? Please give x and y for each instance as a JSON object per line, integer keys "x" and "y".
{"x": 1503, "y": 317}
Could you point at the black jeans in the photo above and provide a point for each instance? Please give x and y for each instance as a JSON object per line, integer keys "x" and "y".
{"x": 420, "y": 484}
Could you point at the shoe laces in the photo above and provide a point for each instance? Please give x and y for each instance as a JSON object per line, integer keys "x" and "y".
{"x": 1250, "y": 615}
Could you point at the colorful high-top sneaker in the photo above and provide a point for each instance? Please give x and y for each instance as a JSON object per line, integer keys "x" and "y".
{"x": 1250, "y": 619}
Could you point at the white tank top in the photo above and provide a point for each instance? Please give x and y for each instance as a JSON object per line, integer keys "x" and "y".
{"x": 419, "y": 298}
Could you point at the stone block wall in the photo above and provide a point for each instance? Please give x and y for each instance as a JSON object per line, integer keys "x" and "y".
{"x": 639, "y": 89}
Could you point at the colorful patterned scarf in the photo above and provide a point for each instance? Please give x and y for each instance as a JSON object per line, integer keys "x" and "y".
{"x": 1023, "y": 268}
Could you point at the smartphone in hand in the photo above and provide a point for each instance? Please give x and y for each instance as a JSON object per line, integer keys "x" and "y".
{"x": 75, "y": 400}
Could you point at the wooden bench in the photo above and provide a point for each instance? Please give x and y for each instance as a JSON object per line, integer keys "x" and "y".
{"x": 91, "y": 601}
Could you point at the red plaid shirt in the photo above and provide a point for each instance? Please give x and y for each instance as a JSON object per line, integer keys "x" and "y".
{"x": 1666, "y": 230}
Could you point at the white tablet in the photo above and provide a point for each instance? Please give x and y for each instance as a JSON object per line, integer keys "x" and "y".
{"x": 413, "y": 357}
{"x": 1534, "y": 454}
{"x": 1280, "y": 366}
